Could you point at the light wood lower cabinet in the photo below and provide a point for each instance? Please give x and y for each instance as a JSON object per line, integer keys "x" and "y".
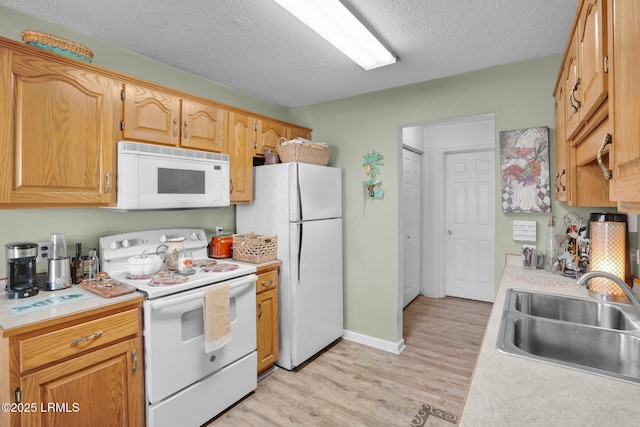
{"x": 76, "y": 373}
{"x": 267, "y": 318}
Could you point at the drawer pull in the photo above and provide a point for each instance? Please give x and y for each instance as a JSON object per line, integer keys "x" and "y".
{"x": 87, "y": 338}
{"x": 267, "y": 282}
{"x": 605, "y": 171}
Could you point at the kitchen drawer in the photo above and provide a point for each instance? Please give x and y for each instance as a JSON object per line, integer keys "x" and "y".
{"x": 71, "y": 341}
{"x": 267, "y": 280}
{"x": 588, "y": 149}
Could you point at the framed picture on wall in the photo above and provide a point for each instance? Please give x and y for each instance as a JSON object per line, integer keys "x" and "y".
{"x": 524, "y": 163}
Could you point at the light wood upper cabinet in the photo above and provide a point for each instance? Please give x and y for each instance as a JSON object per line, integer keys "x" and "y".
{"x": 150, "y": 115}
{"x": 57, "y": 142}
{"x": 592, "y": 44}
{"x": 581, "y": 99}
{"x": 571, "y": 88}
{"x": 240, "y": 148}
{"x": 562, "y": 177}
{"x": 268, "y": 133}
{"x": 159, "y": 117}
{"x": 295, "y": 131}
{"x": 624, "y": 103}
{"x": 204, "y": 126}
{"x": 586, "y": 83}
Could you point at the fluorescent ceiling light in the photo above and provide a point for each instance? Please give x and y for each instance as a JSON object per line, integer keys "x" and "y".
{"x": 338, "y": 26}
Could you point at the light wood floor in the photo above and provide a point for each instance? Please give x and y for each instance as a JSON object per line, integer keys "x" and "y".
{"x": 351, "y": 384}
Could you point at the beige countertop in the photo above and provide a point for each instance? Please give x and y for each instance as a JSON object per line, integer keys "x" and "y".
{"x": 48, "y": 305}
{"x": 506, "y": 390}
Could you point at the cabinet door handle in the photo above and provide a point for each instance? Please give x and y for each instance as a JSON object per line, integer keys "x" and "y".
{"x": 107, "y": 186}
{"x": 562, "y": 187}
{"x": 185, "y": 134}
{"x": 555, "y": 181}
{"x": 87, "y": 338}
{"x": 267, "y": 282}
{"x": 134, "y": 353}
{"x": 605, "y": 171}
{"x": 260, "y": 310}
{"x": 572, "y": 97}
{"x": 175, "y": 127}
{"x": 233, "y": 186}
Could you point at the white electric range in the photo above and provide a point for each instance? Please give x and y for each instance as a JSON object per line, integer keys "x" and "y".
{"x": 184, "y": 385}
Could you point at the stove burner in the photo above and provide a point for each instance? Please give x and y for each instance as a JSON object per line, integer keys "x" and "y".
{"x": 130, "y": 276}
{"x": 204, "y": 263}
{"x": 220, "y": 268}
{"x": 166, "y": 278}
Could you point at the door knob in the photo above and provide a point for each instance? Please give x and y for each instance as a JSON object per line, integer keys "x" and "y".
{"x": 449, "y": 232}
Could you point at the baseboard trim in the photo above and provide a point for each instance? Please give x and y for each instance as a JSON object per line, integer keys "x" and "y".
{"x": 388, "y": 346}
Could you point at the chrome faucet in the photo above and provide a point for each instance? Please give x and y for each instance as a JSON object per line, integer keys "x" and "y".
{"x": 584, "y": 281}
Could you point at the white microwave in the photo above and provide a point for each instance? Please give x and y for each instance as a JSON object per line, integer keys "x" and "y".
{"x": 158, "y": 177}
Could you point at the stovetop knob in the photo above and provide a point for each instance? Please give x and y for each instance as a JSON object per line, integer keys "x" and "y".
{"x": 195, "y": 236}
{"x": 162, "y": 238}
{"x": 114, "y": 245}
{"x": 126, "y": 243}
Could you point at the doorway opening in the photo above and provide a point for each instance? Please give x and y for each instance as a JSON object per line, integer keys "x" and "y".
{"x": 469, "y": 144}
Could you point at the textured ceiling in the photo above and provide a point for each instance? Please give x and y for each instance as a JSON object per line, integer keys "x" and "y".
{"x": 256, "y": 47}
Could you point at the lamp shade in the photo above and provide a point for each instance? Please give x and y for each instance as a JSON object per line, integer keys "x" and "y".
{"x": 608, "y": 253}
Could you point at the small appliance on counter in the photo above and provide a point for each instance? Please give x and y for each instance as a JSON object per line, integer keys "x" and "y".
{"x": 21, "y": 269}
{"x": 221, "y": 246}
{"x": 59, "y": 264}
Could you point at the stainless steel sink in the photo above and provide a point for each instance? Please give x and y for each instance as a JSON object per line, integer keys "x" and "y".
{"x": 575, "y": 310}
{"x": 600, "y": 337}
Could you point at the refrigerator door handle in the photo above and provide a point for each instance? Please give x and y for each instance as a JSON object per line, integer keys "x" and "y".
{"x": 299, "y": 249}
{"x": 300, "y": 215}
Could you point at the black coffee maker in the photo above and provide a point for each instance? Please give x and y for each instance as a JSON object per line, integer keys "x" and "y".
{"x": 21, "y": 269}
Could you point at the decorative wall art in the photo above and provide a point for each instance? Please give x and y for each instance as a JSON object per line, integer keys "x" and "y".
{"x": 372, "y": 186}
{"x": 524, "y": 159}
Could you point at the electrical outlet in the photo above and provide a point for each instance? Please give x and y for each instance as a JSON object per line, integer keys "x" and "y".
{"x": 635, "y": 256}
{"x": 219, "y": 229}
{"x": 43, "y": 252}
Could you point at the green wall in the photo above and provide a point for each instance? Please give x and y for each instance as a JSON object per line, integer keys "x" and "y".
{"x": 519, "y": 94}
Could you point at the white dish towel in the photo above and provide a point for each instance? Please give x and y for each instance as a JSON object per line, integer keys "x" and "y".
{"x": 217, "y": 323}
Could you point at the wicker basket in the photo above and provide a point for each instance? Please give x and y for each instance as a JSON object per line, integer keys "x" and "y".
{"x": 57, "y": 44}
{"x": 254, "y": 248}
{"x": 303, "y": 153}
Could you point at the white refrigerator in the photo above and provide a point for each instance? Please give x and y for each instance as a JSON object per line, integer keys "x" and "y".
{"x": 302, "y": 205}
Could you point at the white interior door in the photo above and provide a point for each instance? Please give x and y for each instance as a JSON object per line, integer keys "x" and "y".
{"x": 412, "y": 207}
{"x": 470, "y": 222}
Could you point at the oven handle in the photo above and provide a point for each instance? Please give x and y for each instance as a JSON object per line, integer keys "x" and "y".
{"x": 236, "y": 287}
